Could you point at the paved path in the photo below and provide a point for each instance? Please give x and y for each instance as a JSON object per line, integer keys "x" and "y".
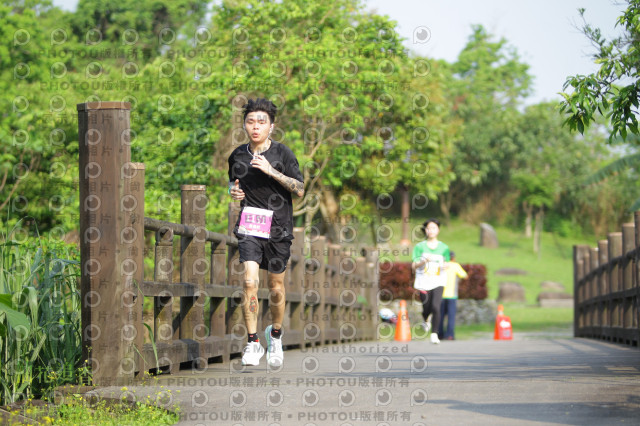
{"x": 528, "y": 381}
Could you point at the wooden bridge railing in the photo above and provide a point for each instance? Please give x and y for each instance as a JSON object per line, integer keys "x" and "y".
{"x": 331, "y": 292}
{"x": 606, "y": 287}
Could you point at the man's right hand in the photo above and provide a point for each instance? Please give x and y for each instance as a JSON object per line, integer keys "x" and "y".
{"x": 236, "y": 193}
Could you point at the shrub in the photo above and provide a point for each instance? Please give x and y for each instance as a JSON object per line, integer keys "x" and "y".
{"x": 474, "y": 287}
{"x": 396, "y": 281}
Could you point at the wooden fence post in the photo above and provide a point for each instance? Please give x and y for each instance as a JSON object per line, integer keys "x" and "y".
{"x": 361, "y": 293}
{"x": 615, "y": 251}
{"x": 132, "y": 238}
{"x": 371, "y": 256}
{"x": 603, "y": 282}
{"x": 636, "y": 282}
{"x": 107, "y": 267}
{"x": 313, "y": 298}
{"x": 346, "y": 268}
{"x": 578, "y": 287}
{"x": 627, "y": 265}
{"x": 295, "y": 290}
{"x": 318, "y": 250}
{"x": 593, "y": 320}
{"x": 218, "y": 305}
{"x": 235, "y": 278}
{"x": 193, "y": 267}
{"x": 163, "y": 305}
{"x": 335, "y": 285}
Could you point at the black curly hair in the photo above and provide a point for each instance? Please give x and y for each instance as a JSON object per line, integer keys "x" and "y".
{"x": 260, "y": 104}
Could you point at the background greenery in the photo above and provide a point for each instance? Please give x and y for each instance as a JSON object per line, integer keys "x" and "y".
{"x": 367, "y": 118}
{"x": 369, "y": 121}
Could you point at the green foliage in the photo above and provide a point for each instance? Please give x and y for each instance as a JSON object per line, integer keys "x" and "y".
{"x": 145, "y": 23}
{"x": 486, "y": 107}
{"x": 535, "y": 190}
{"x": 614, "y": 90}
{"x": 40, "y": 336}
{"x": 340, "y": 83}
{"x": 624, "y": 170}
{"x": 365, "y": 117}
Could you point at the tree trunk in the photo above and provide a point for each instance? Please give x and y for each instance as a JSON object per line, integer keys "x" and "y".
{"x": 528, "y": 209}
{"x": 537, "y": 236}
{"x": 445, "y": 206}
{"x": 405, "y": 241}
{"x": 330, "y": 210}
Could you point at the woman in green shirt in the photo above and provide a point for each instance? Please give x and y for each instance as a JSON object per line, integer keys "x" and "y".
{"x": 430, "y": 259}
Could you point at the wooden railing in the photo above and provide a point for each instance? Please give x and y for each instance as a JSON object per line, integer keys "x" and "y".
{"x": 331, "y": 292}
{"x": 606, "y": 287}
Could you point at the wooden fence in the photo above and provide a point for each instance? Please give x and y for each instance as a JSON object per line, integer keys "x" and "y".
{"x": 331, "y": 291}
{"x": 606, "y": 287}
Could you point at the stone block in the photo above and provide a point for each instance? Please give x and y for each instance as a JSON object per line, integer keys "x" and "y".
{"x": 511, "y": 271}
{"x": 548, "y": 299}
{"x": 511, "y": 292}
{"x": 488, "y": 236}
{"x": 552, "y": 286}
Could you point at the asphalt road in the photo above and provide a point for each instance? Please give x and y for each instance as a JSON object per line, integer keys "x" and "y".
{"x": 531, "y": 380}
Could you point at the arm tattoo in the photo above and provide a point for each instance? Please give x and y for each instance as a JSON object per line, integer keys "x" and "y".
{"x": 291, "y": 184}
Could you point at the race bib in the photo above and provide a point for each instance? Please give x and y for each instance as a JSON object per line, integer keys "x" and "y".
{"x": 432, "y": 268}
{"x": 255, "y": 222}
{"x": 431, "y": 275}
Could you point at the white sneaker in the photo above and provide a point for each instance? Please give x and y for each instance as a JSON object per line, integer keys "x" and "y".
{"x": 426, "y": 326}
{"x": 434, "y": 338}
{"x": 275, "y": 356}
{"x": 252, "y": 353}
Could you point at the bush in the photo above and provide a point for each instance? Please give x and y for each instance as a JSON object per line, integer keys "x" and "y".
{"x": 474, "y": 287}
{"x": 396, "y": 281}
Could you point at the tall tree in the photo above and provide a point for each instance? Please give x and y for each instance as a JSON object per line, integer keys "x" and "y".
{"x": 613, "y": 90}
{"x": 363, "y": 116}
{"x": 489, "y": 81}
{"x": 28, "y": 145}
{"x": 147, "y": 24}
{"x": 554, "y": 170}
{"x": 341, "y": 76}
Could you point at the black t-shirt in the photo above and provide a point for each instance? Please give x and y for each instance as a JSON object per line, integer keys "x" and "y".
{"x": 263, "y": 191}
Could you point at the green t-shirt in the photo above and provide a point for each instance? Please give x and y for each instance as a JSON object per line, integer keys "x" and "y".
{"x": 432, "y": 274}
{"x": 422, "y": 248}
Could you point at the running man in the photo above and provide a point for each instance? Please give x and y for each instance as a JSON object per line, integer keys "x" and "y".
{"x": 262, "y": 175}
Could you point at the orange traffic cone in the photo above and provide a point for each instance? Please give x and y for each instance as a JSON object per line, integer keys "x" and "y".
{"x": 403, "y": 329}
{"x": 502, "y": 329}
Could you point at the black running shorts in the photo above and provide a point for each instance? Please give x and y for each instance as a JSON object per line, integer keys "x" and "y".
{"x": 270, "y": 255}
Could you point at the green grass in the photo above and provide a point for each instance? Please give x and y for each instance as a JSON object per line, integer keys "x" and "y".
{"x": 79, "y": 410}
